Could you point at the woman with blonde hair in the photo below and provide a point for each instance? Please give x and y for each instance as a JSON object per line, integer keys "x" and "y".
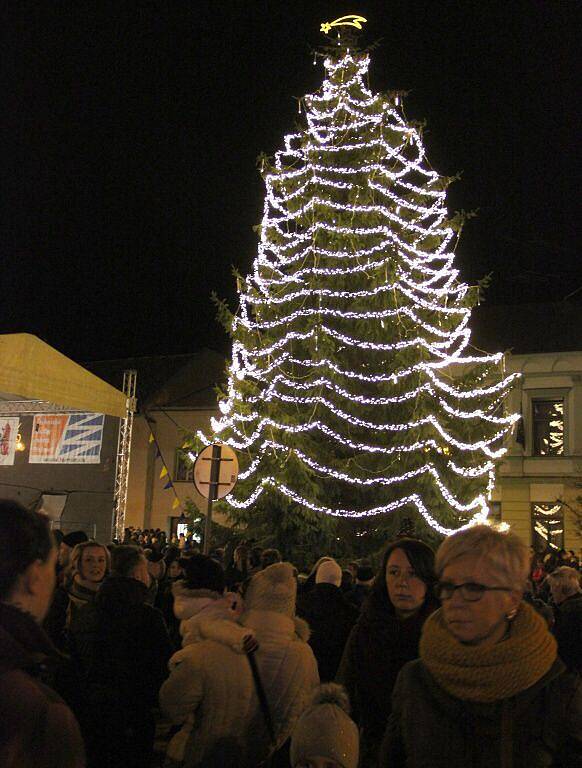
{"x": 89, "y": 564}
{"x": 488, "y": 688}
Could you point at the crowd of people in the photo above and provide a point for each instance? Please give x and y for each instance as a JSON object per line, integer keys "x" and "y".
{"x": 470, "y": 656}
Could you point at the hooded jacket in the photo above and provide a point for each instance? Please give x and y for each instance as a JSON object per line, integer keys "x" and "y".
{"x": 193, "y": 606}
{"x": 211, "y": 690}
{"x": 37, "y": 729}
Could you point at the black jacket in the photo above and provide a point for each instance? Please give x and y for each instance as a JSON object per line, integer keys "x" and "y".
{"x": 122, "y": 649}
{"x": 330, "y": 618}
{"x": 378, "y": 647}
{"x": 122, "y": 643}
{"x": 540, "y": 727}
{"x": 568, "y": 632}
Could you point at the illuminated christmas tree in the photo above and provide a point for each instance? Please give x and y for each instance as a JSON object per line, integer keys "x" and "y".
{"x": 353, "y": 389}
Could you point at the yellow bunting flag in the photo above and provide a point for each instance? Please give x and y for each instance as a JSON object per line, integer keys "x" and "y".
{"x": 151, "y": 437}
{"x": 176, "y": 503}
{"x": 163, "y": 473}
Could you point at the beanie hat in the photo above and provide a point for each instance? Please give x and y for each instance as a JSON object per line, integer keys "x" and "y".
{"x": 326, "y": 730}
{"x": 273, "y": 589}
{"x": 75, "y": 537}
{"x": 203, "y": 572}
{"x": 329, "y": 572}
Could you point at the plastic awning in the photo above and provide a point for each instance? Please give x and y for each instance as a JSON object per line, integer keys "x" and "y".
{"x": 31, "y": 369}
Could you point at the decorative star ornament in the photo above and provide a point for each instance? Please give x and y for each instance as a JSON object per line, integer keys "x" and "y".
{"x": 351, "y": 20}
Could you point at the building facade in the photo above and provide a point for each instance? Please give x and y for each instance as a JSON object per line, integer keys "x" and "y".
{"x": 539, "y": 483}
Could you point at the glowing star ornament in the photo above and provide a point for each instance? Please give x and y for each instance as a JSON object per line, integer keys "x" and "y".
{"x": 351, "y": 20}
{"x": 353, "y": 389}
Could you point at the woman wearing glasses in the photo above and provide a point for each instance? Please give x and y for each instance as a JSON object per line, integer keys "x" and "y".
{"x": 488, "y": 688}
{"x": 386, "y": 637}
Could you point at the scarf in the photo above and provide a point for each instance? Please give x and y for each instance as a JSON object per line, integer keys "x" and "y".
{"x": 491, "y": 673}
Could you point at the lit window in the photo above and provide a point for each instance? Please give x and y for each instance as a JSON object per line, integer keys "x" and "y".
{"x": 183, "y": 468}
{"x": 494, "y": 512}
{"x": 548, "y": 527}
{"x": 548, "y": 427}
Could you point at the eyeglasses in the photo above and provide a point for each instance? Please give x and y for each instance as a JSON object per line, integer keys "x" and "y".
{"x": 470, "y": 591}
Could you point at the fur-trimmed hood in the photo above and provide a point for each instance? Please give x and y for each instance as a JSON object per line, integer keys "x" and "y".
{"x": 197, "y": 606}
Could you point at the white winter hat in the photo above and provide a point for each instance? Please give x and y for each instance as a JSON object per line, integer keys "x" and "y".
{"x": 326, "y": 730}
{"x": 273, "y": 589}
{"x": 329, "y": 572}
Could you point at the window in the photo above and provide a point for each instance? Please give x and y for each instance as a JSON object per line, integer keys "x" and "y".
{"x": 548, "y": 427}
{"x": 547, "y": 527}
{"x": 494, "y": 512}
{"x": 183, "y": 468}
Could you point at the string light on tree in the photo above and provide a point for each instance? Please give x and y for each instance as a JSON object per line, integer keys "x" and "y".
{"x": 353, "y": 389}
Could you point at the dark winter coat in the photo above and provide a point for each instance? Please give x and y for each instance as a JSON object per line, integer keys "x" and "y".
{"x": 568, "y": 632}
{"x": 330, "y": 618}
{"x": 541, "y": 727}
{"x": 37, "y": 729}
{"x": 67, "y": 601}
{"x": 357, "y": 594}
{"x": 379, "y": 646}
{"x": 122, "y": 647}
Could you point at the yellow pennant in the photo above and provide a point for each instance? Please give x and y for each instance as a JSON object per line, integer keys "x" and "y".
{"x": 151, "y": 437}
{"x": 176, "y": 503}
{"x": 351, "y": 20}
{"x": 163, "y": 473}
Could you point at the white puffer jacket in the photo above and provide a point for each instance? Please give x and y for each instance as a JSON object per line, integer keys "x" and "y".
{"x": 212, "y": 692}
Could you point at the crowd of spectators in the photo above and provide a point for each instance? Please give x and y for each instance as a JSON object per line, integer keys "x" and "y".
{"x": 470, "y": 656}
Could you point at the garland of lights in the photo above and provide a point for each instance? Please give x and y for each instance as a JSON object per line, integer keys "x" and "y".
{"x": 318, "y": 225}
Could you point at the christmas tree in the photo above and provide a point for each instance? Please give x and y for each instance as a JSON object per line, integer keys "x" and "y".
{"x": 353, "y": 390}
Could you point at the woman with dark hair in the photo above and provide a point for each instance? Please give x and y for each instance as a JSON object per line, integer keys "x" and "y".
{"x": 36, "y": 726}
{"x": 386, "y": 637}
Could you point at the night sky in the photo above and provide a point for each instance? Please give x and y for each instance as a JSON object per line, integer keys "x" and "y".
{"x": 130, "y": 138}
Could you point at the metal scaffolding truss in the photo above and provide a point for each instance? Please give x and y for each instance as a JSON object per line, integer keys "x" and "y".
{"x": 123, "y": 456}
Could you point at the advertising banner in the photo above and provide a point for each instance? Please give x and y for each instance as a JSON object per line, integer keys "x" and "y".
{"x": 8, "y": 431}
{"x": 66, "y": 438}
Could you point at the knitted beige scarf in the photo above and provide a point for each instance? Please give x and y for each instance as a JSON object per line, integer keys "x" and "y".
{"x": 491, "y": 673}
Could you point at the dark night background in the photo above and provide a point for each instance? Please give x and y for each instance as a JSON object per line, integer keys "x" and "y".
{"x": 130, "y": 136}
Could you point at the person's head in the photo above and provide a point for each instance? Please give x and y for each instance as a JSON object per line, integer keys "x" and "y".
{"x": 564, "y": 582}
{"x": 329, "y": 572}
{"x": 482, "y": 574}
{"x": 269, "y": 557}
{"x": 90, "y": 562}
{"x": 325, "y": 736}
{"x": 365, "y": 575}
{"x": 130, "y": 562}
{"x": 28, "y": 559}
{"x": 174, "y": 570}
{"x": 68, "y": 543}
{"x": 274, "y": 589}
{"x": 347, "y": 580}
{"x": 353, "y": 569}
{"x": 203, "y": 572}
{"x": 241, "y": 556}
{"x": 406, "y": 576}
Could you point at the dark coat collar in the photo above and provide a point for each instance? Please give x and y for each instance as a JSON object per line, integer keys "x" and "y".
{"x": 23, "y": 643}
